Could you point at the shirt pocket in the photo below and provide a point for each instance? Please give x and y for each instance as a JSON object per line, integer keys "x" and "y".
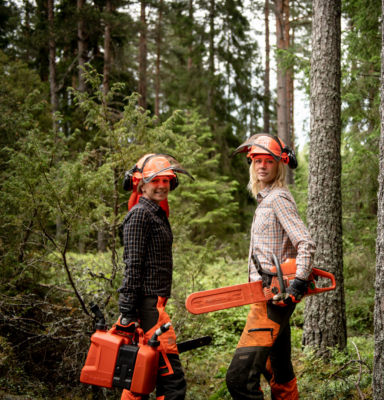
{"x": 261, "y": 221}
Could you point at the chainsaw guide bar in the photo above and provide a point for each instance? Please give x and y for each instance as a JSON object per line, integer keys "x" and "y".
{"x": 193, "y": 344}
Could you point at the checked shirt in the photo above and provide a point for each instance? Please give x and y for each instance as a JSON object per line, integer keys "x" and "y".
{"x": 277, "y": 228}
{"x": 147, "y": 253}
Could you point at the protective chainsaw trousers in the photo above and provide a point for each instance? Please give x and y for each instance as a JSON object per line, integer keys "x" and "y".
{"x": 264, "y": 348}
{"x": 170, "y": 383}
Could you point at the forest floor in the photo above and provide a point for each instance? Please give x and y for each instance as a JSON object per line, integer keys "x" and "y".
{"x": 338, "y": 378}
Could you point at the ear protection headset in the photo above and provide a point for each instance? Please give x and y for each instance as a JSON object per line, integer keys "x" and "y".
{"x": 128, "y": 179}
{"x": 292, "y": 160}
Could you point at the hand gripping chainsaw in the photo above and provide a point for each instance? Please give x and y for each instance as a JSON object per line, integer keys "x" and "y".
{"x": 274, "y": 281}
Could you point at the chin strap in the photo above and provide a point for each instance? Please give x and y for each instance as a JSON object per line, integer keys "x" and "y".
{"x": 135, "y": 197}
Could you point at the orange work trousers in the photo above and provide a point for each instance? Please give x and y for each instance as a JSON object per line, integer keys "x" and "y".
{"x": 264, "y": 348}
{"x": 170, "y": 383}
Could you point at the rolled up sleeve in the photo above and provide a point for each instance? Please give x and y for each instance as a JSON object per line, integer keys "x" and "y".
{"x": 286, "y": 211}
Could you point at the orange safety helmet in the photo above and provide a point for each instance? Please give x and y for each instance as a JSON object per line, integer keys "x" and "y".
{"x": 264, "y": 143}
{"x": 147, "y": 168}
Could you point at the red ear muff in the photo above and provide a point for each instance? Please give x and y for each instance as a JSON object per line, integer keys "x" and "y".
{"x": 174, "y": 183}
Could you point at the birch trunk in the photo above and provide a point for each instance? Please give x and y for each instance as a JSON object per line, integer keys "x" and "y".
{"x": 325, "y": 319}
{"x": 143, "y": 58}
{"x": 267, "y": 93}
{"x": 378, "y": 359}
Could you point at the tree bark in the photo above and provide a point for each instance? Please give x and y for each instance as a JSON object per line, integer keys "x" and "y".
{"x": 282, "y": 126}
{"x": 143, "y": 58}
{"x": 190, "y": 10}
{"x": 158, "y": 59}
{"x": 211, "y": 54}
{"x": 107, "y": 50}
{"x": 52, "y": 60}
{"x": 378, "y": 359}
{"x": 289, "y": 89}
{"x": 325, "y": 319}
{"x": 267, "y": 93}
{"x": 81, "y": 45}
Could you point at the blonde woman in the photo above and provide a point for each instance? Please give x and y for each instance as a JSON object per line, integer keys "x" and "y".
{"x": 265, "y": 344}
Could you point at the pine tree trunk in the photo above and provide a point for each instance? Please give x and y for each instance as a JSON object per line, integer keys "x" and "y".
{"x": 282, "y": 126}
{"x": 107, "y": 50}
{"x": 52, "y": 59}
{"x": 288, "y": 85}
{"x": 267, "y": 93}
{"x": 190, "y": 7}
{"x": 378, "y": 360}
{"x": 325, "y": 319}
{"x": 211, "y": 54}
{"x": 158, "y": 59}
{"x": 143, "y": 58}
{"x": 81, "y": 45}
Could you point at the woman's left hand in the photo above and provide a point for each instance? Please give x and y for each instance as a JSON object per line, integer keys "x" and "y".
{"x": 293, "y": 293}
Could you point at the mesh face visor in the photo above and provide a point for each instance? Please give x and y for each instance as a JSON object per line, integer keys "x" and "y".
{"x": 268, "y": 144}
{"x": 161, "y": 164}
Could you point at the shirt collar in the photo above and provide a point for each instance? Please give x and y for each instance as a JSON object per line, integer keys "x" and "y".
{"x": 150, "y": 204}
{"x": 264, "y": 193}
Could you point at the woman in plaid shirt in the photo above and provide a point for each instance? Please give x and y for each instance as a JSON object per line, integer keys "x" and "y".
{"x": 276, "y": 229}
{"x": 148, "y": 273}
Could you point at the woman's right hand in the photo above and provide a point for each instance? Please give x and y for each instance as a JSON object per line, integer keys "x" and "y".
{"x": 126, "y": 325}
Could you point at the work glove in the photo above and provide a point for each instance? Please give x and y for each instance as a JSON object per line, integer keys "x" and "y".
{"x": 293, "y": 293}
{"x": 127, "y": 323}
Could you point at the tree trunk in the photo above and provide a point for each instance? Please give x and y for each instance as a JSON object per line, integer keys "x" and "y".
{"x": 158, "y": 41}
{"x": 52, "y": 60}
{"x": 81, "y": 45}
{"x": 282, "y": 127}
{"x": 325, "y": 319}
{"x": 267, "y": 93}
{"x": 190, "y": 7}
{"x": 288, "y": 88}
{"x": 211, "y": 55}
{"x": 107, "y": 50}
{"x": 102, "y": 240}
{"x": 378, "y": 359}
{"x": 143, "y": 58}
{"x": 27, "y": 11}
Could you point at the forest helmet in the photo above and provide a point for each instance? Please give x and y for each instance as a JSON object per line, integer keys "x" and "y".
{"x": 264, "y": 143}
{"x": 152, "y": 165}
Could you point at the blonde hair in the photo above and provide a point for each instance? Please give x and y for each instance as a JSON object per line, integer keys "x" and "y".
{"x": 279, "y": 182}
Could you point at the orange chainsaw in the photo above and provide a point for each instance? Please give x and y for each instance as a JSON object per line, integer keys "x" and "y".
{"x": 274, "y": 281}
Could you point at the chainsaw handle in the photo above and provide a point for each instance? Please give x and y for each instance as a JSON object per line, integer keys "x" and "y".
{"x": 279, "y": 273}
{"x": 324, "y": 274}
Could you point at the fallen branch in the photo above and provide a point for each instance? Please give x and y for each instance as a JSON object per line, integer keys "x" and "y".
{"x": 360, "y": 372}
{"x": 360, "y": 362}
{"x": 51, "y": 287}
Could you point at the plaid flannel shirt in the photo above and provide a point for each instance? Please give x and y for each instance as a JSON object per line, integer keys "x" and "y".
{"x": 277, "y": 228}
{"x": 147, "y": 253}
